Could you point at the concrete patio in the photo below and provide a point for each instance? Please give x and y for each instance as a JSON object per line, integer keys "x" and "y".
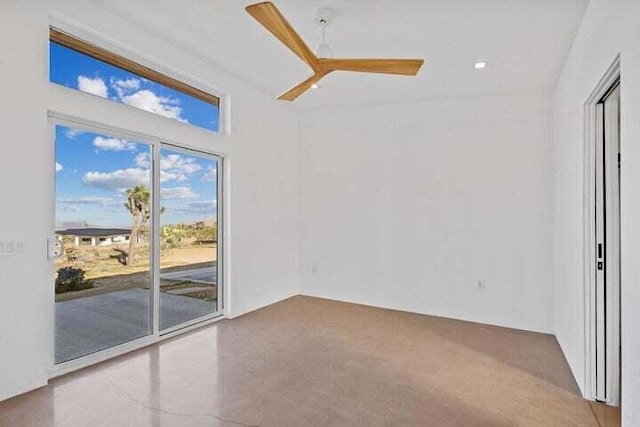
{"x": 87, "y": 325}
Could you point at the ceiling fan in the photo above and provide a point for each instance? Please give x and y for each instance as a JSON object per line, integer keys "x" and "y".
{"x": 269, "y": 16}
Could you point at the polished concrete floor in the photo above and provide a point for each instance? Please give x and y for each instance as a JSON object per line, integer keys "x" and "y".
{"x": 312, "y": 362}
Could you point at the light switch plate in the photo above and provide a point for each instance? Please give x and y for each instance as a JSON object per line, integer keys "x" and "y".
{"x": 55, "y": 248}
{"x": 11, "y": 248}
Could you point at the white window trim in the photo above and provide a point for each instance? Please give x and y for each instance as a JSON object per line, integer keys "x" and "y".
{"x": 86, "y": 111}
{"x": 156, "y": 335}
{"x": 103, "y": 41}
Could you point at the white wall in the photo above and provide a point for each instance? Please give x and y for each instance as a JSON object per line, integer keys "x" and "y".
{"x": 262, "y": 202}
{"x": 439, "y": 194}
{"x": 609, "y": 28}
{"x": 408, "y": 206}
{"x": 24, "y": 162}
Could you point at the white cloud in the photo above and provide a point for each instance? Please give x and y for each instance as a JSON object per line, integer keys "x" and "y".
{"x": 113, "y": 144}
{"x": 128, "y": 91}
{"x": 58, "y": 167}
{"x": 179, "y": 164}
{"x": 102, "y": 201}
{"x": 149, "y": 101}
{"x": 200, "y": 207}
{"x": 95, "y": 86}
{"x": 72, "y": 133}
{"x": 173, "y": 167}
{"x": 143, "y": 160}
{"x": 168, "y": 176}
{"x": 122, "y": 179}
{"x": 211, "y": 175}
{"x": 178, "y": 193}
{"x": 124, "y": 87}
{"x": 118, "y": 180}
{"x": 69, "y": 208}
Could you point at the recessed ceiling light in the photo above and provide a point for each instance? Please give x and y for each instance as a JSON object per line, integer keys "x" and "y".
{"x": 315, "y": 86}
{"x": 480, "y": 65}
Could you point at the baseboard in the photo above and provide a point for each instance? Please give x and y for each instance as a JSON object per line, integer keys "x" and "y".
{"x": 22, "y": 390}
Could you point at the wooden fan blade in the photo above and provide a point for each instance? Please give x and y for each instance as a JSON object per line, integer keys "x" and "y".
{"x": 296, "y": 91}
{"x": 269, "y": 16}
{"x": 407, "y": 67}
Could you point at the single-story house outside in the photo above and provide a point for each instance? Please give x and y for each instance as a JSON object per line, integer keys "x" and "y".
{"x": 97, "y": 236}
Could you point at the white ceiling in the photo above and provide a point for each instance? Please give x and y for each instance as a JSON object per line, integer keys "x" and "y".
{"x": 525, "y": 42}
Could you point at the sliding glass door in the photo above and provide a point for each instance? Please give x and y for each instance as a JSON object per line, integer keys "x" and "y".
{"x": 103, "y": 212}
{"x": 189, "y": 237}
{"x": 128, "y": 268}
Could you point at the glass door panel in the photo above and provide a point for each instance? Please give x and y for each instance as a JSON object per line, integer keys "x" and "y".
{"x": 103, "y": 216}
{"x": 189, "y": 237}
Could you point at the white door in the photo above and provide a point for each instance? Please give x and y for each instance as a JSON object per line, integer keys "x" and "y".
{"x": 103, "y": 291}
{"x": 607, "y": 249}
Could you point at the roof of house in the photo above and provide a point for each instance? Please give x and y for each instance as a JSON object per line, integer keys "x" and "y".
{"x": 95, "y": 232}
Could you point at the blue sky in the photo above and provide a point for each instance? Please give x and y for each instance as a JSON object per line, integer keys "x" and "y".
{"x": 94, "y": 170}
{"x": 78, "y": 71}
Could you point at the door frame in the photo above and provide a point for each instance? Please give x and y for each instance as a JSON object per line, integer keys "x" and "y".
{"x": 156, "y": 335}
{"x": 591, "y": 124}
{"x": 157, "y": 252}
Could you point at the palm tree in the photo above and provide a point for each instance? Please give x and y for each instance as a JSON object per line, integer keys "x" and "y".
{"x": 138, "y": 205}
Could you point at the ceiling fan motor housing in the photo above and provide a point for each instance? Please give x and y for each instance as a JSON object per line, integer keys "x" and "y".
{"x": 324, "y": 16}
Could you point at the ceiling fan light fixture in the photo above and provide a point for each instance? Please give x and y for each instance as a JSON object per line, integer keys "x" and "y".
{"x": 323, "y": 19}
{"x": 324, "y": 51}
{"x": 480, "y": 65}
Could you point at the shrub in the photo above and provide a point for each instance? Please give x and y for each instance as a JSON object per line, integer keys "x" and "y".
{"x": 71, "y": 279}
{"x": 171, "y": 242}
{"x": 72, "y": 254}
{"x": 207, "y": 235}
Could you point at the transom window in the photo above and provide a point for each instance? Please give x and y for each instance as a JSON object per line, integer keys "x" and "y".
{"x": 88, "y": 68}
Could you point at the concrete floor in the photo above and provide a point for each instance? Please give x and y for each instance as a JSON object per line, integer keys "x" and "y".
{"x": 87, "y": 325}
{"x": 311, "y": 362}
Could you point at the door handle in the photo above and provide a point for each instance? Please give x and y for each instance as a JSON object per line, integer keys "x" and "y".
{"x": 600, "y": 250}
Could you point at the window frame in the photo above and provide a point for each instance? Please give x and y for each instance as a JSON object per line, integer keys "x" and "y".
{"x": 68, "y": 106}
{"x": 157, "y": 144}
{"x": 128, "y": 60}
